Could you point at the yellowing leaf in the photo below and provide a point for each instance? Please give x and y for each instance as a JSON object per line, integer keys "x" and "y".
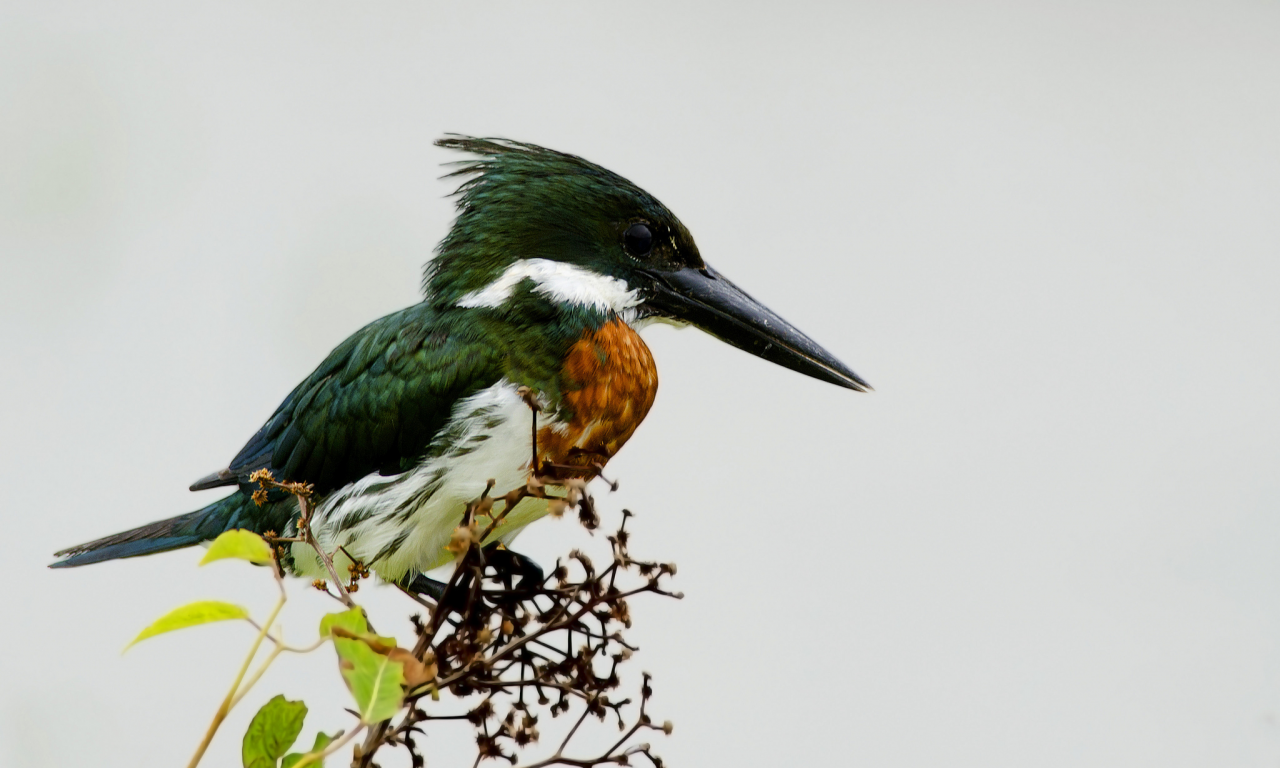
{"x": 240, "y": 544}
{"x": 190, "y": 615}
{"x": 375, "y": 680}
{"x": 378, "y": 643}
{"x": 271, "y": 732}
{"x": 352, "y": 620}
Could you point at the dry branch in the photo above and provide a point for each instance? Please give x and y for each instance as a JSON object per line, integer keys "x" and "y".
{"x": 529, "y": 652}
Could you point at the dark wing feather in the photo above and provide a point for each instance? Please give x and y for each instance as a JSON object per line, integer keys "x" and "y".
{"x": 373, "y": 405}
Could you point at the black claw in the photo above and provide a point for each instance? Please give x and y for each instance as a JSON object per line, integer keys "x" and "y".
{"x": 504, "y": 562}
{"x": 508, "y": 563}
{"x": 425, "y": 585}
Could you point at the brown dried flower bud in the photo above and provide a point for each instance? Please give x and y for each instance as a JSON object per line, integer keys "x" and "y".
{"x": 461, "y": 539}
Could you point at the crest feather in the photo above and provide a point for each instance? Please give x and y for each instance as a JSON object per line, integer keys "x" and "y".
{"x": 514, "y": 201}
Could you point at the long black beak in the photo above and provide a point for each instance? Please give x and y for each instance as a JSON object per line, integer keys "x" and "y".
{"x": 705, "y": 298}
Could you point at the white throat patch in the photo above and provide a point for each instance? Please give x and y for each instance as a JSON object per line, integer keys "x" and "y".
{"x": 560, "y": 282}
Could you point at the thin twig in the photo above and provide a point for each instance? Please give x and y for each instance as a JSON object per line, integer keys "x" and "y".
{"x": 232, "y": 696}
{"x": 334, "y": 746}
{"x": 304, "y": 525}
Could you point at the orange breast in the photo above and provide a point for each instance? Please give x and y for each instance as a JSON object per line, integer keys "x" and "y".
{"x": 611, "y": 385}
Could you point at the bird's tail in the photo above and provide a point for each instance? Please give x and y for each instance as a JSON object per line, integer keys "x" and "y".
{"x": 174, "y": 533}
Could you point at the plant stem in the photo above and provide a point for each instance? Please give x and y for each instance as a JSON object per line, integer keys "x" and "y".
{"x": 304, "y": 524}
{"x": 232, "y": 697}
{"x": 257, "y": 675}
{"x": 312, "y": 757}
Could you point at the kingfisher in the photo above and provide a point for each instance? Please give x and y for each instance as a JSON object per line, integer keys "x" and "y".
{"x": 535, "y": 297}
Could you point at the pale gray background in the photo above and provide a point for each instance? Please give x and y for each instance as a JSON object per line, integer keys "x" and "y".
{"x": 1047, "y": 234}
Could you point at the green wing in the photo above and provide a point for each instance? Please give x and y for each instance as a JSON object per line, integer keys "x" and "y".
{"x": 373, "y": 405}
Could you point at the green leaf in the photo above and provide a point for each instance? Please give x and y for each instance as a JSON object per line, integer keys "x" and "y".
{"x": 322, "y": 740}
{"x": 271, "y": 732}
{"x": 352, "y": 620}
{"x": 241, "y": 544}
{"x": 375, "y": 680}
{"x": 190, "y": 615}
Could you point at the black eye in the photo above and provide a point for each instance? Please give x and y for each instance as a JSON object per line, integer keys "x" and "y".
{"x": 638, "y": 240}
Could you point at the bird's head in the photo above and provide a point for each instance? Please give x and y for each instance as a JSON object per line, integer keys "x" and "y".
{"x": 535, "y": 220}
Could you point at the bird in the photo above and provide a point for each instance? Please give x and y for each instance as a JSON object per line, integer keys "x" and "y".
{"x": 535, "y": 297}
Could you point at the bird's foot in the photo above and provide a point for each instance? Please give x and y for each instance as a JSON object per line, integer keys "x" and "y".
{"x": 423, "y": 584}
{"x": 506, "y": 564}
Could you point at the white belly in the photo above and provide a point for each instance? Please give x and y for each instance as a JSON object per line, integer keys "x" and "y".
{"x": 398, "y": 525}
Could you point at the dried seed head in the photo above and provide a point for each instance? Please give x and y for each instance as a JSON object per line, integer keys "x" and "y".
{"x": 461, "y": 539}
{"x": 587, "y": 515}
